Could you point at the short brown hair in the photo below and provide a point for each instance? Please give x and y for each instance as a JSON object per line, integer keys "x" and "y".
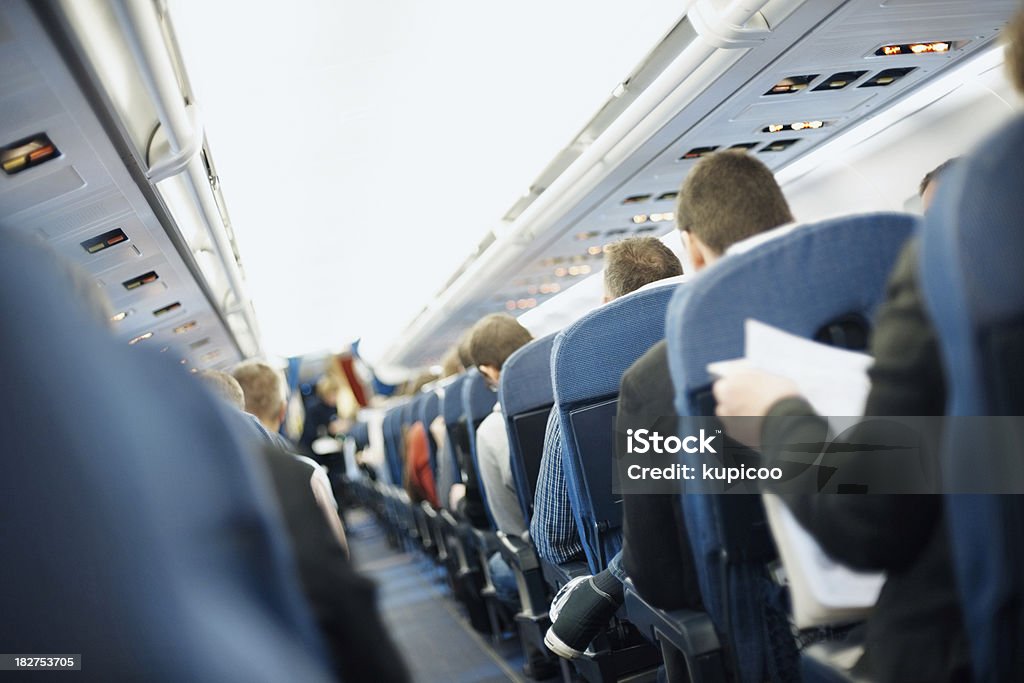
{"x": 225, "y": 386}
{"x": 263, "y": 388}
{"x": 462, "y": 348}
{"x": 1014, "y": 35}
{"x": 933, "y": 175}
{"x": 631, "y": 263}
{"x": 727, "y": 197}
{"x": 494, "y": 338}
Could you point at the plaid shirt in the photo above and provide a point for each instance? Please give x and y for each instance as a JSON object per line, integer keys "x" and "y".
{"x": 553, "y": 528}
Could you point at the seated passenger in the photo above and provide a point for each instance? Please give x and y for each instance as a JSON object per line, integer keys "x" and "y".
{"x": 321, "y": 414}
{"x": 228, "y": 388}
{"x": 491, "y": 341}
{"x": 727, "y": 198}
{"x": 343, "y": 602}
{"x": 450, "y": 488}
{"x": 629, "y": 265}
{"x": 264, "y": 398}
{"x": 419, "y": 479}
{"x": 916, "y": 630}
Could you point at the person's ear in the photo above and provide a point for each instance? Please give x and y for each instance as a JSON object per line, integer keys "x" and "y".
{"x": 490, "y": 372}
{"x": 694, "y": 256}
{"x": 700, "y": 254}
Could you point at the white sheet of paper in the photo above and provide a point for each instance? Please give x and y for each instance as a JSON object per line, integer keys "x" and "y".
{"x": 835, "y": 382}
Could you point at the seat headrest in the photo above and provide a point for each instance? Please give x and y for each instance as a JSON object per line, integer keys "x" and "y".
{"x": 798, "y": 282}
{"x": 526, "y": 377}
{"x": 589, "y": 357}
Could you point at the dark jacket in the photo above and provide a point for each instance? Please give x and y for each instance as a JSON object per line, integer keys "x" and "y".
{"x": 660, "y": 564}
{"x": 916, "y": 631}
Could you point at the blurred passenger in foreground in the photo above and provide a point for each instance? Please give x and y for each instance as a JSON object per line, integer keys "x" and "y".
{"x": 173, "y": 543}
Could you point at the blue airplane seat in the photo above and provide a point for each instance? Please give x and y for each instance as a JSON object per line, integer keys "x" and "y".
{"x": 478, "y": 401}
{"x": 972, "y": 249}
{"x": 588, "y": 359}
{"x": 392, "y": 444}
{"x": 526, "y": 396}
{"x": 451, "y": 410}
{"x": 138, "y": 531}
{"x": 821, "y": 280}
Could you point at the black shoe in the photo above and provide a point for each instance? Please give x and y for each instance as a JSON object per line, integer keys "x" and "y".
{"x": 578, "y": 613}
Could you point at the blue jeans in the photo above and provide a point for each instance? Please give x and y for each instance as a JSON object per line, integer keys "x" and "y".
{"x": 615, "y": 567}
{"x": 503, "y": 580}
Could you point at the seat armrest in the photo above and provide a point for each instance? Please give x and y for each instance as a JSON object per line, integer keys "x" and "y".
{"x": 688, "y": 631}
{"x": 557, "y": 575}
{"x": 517, "y": 553}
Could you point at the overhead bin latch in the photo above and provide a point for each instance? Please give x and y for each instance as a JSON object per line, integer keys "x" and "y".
{"x": 739, "y": 24}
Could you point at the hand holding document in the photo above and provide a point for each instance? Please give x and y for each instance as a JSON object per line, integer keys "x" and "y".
{"x": 835, "y": 382}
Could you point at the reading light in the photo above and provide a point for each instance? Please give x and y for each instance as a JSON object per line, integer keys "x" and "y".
{"x": 141, "y": 337}
{"x": 594, "y": 250}
{"x": 118, "y": 317}
{"x": 934, "y": 47}
{"x": 640, "y": 218}
{"x": 190, "y": 325}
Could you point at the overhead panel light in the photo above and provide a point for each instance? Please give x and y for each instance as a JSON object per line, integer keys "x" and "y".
{"x": 840, "y": 80}
{"x": 791, "y": 84}
{"x": 934, "y": 47}
{"x": 636, "y": 199}
{"x": 166, "y": 309}
{"x": 139, "y": 280}
{"x": 887, "y": 77}
{"x": 28, "y": 152}
{"x": 118, "y": 317}
{"x": 640, "y": 218}
{"x": 96, "y": 244}
{"x": 190, "y": 325}
{"x": 698, "y": 152}
{"x": 745, "y": 145}
{"x": 778, "y": 145}
{"x": 795, "y": 126}
{"x": 141, "y": 337}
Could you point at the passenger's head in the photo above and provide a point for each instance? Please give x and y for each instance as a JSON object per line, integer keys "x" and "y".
{"x": 727, "y": 197}
{"x": 930, "y": 182}
{"x": 462, "y": 348}
{"x": 224, "y": 386}
{"x": 631, "y": 263}
{"x": 327, "y": 388}
{"x": 264, "y": 393}
{"x": 450, "y": 363}
{"x": 492, "y": 340}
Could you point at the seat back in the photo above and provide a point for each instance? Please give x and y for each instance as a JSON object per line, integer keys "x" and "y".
{"x": 478, "y": 401}
{"x": 361, "y": 435}
{"x": 816, "y": 278}
{"x": 136, "y": 506}
{"x": 392, "y": 427}
{"x": 587, "y": 362}
{"x": 526, "y": 397}
{"x": 973, "y": 282}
